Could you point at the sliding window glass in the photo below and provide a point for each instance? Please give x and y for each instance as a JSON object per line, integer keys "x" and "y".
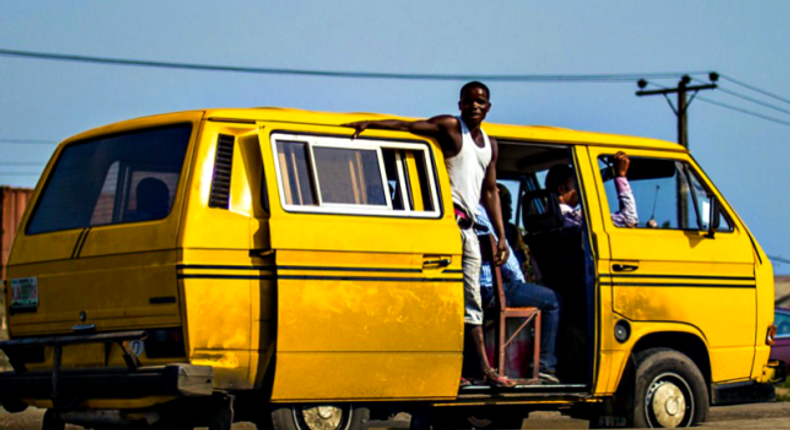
{"x": 297, "y": 185}
{"x": 349, "y": 176}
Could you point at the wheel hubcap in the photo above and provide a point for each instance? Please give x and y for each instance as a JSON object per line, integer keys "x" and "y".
{"x": 324, "y": 417}
{"x": 669, "y": 402}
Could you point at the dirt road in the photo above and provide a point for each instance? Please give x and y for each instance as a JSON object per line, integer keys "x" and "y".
{"x": 755, "y": 416}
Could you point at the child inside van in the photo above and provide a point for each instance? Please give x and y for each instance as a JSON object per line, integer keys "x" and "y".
{"x": 562, "y": 180}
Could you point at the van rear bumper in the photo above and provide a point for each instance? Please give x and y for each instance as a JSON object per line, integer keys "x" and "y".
{"x": 68, "y": 387}
{"x": 109, "y": 383}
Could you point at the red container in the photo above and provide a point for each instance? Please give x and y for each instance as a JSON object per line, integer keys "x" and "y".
{"x": 13, "y": 202}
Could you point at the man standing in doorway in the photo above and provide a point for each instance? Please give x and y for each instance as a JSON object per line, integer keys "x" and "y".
{"x": 471, "y": 157}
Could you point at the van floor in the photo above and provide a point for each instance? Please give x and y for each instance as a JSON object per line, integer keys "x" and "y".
{"x": 533, "y": 390}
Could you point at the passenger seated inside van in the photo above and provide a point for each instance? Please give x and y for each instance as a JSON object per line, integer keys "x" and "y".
{"x": 519, "y": 293}
{"x": 153, "y": 201}
{"x": 562, "y": 181}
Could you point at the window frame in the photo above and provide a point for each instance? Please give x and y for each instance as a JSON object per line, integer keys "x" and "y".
{"x": 378, "y": 145}
{"x": 689, "y": 168}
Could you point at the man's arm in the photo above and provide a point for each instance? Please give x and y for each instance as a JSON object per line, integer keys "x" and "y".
{"x": 443, "y": 128}
{"x": 490, "y": 201}
{"x": 626, "y": 216}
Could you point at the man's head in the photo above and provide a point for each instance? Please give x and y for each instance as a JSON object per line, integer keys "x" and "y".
{"x": 474, "y": 103}
{"x": 561, "y": 180}
{"x": 506, "y": 202}
{"x": 153, "y": 197}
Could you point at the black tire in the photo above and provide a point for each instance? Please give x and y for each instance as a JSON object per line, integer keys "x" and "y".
{"x": 669, "y": 390}
{"x": 341, "y": 416}
{"x": 221, "y": 417}
{"x": 52, "y": 421}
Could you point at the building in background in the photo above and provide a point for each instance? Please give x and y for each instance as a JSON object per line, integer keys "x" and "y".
{"x": 13, "y": 202}
{"x": 782, "y": 291}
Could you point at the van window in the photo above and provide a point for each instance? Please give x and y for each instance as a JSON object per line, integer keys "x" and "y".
{"x": 334, "y": 175}
{"x": 297, "y": 185}
{"x": 396, "y": 185}
{"x": 117, "y": 179}
{"x": 668, "y": 194}
{"x": 426, "y": 200}
{"x": 349, "y": 176}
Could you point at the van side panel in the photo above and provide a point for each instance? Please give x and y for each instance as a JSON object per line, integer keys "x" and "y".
{"x": 356, "y": 308}
{"x": 227, "y": 292}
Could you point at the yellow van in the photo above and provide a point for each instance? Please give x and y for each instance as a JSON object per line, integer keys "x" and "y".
{"x": 204, "y": 267}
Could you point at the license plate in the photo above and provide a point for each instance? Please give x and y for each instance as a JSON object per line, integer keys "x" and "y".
{"x": 24, "y": 292}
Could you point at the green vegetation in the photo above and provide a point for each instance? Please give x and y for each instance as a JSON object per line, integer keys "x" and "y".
{"x": 783, "y": 391}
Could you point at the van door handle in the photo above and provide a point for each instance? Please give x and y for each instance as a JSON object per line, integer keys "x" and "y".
{"x": 441, "y": 262}
{"x": 625, "y": 267}
{"x": 261, "y": 253}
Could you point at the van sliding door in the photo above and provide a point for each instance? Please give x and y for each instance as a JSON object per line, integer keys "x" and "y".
{"x": 369, "y": 293}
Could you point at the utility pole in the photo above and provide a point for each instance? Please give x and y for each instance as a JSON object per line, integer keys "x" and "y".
{"x": 682, "y": 90}
{"x": 681, "y": 111}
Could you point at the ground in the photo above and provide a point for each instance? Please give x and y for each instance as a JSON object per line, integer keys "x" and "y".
{"x": 755, "y": 416}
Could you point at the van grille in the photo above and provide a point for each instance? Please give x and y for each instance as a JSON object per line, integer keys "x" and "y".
{"x": 223, "y": 164}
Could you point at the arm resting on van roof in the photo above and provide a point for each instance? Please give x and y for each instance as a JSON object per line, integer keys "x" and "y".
{"x": 440, "y": 127}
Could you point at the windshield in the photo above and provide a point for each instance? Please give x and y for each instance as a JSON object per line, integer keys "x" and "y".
{"x": 117, "y": 179}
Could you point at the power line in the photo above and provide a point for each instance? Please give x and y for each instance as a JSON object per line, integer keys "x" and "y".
{"x": 753, "y": 88}
{"x": 20, "y": 173}
{"x": 745, "y": 111}
{"x": 747, "y": 98}
{"x": 612, "y": 77}
{"x": 779, "y": 259}
{"x": 750, "y": 99}
{"x": 29, "y": 141}
{"x": 19, "y": 163}
{"x": 729, "y": 106}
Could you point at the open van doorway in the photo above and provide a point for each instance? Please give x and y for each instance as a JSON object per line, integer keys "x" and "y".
{"x": 550, "y": 254}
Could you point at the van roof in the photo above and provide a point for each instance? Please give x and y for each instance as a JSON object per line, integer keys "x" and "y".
{"x": 537, "y": 133}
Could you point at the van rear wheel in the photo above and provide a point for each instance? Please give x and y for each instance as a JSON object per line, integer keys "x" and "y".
{"x": 341, "y": 416}
{"x": 669, "y": 390}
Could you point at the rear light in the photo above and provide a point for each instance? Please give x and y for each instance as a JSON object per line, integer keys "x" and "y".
{"x": 162, "y": 343}
{"x": 771, "y": 336}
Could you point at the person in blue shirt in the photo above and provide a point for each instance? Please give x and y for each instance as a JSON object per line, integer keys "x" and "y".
{"x": 519, "y": 293}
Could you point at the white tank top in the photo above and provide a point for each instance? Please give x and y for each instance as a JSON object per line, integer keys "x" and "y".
{"x": 467, "y": 169}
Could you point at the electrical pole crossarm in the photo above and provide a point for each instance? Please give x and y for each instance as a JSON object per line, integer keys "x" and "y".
{"x": 641, "y": 93}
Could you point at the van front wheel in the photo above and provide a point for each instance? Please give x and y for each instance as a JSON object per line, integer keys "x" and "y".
{"x": 669, "y": 392}
{"x": 341, "y": 416}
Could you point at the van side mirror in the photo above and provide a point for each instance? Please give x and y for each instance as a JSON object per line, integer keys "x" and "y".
{"x": 714, "y": 217}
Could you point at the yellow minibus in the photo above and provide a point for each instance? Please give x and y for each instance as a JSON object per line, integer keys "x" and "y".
{"x": 199, "y": 268}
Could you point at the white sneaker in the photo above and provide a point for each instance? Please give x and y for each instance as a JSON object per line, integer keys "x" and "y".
{"x": 548, "y": 378}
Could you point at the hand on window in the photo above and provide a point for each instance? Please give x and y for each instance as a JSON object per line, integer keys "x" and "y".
{"x": 621, "y": 163}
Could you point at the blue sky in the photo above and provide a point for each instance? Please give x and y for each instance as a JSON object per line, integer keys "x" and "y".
{"x": 746, "y": 157}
